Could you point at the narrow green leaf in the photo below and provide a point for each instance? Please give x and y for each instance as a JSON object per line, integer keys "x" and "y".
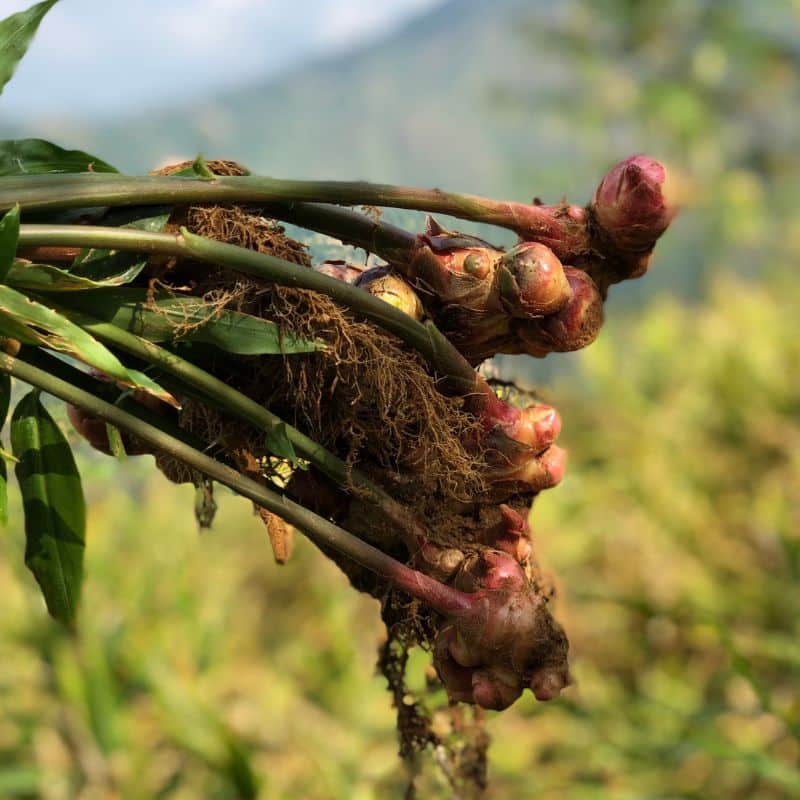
{"x": 55, "y": 511}
{"x": 16, "y": 33}
{"x": 5, "y": 399}
{"x": 48, "y": 278}
{"x": 197, "y": 169}
{"x": 34, "y": 323}
{"x": 9, "y": 236}
{"x": 101, "y": 265}
{"x": 201, "y": 168}
{"x": 37, "y": 157}
{"x": 279, "y": 444}
{"x": 231, "y": 331}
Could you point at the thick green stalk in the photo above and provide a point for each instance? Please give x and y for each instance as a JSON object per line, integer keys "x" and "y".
{"x": 458, "y": 375}
{"x": 238, "y": 404}
{"x": 46, "y": 362}
{"x": 320, "y": 531}
{"x": 48, "y": 192}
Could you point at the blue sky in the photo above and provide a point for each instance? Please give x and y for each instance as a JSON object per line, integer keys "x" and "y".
{"x": 98, "y": 57}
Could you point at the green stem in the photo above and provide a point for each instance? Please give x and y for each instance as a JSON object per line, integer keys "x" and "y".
{"x": 234, "y": 402}
{"x": 458, "y": 375}
{"x": 375, "y": 236}
{"x": 48, "y": 192}
{"x": 323, "y": 533}
{"x": 107, "y": 391}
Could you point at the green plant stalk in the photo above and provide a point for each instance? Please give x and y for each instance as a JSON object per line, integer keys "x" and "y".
{"x": 458, "y": 376}
{"x": 107, "y": 391}
{"x": 323, "y": 533}
{"x": 49, "y": 192}
{"x": 350, "y": 227}
{"x": 238, "y": 404}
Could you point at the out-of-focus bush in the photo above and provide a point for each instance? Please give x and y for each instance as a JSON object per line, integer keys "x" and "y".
{"x": 676, "y": 536}
{"x": 710, "y": 88}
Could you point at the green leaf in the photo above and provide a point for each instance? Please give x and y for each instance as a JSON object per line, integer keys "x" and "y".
{"x": 33, "y": 323}
{"x": 5, "y": 399}
{"x": 9, "y": 236}
{"x": 197, "y": 169}
{"x": 37, "y": 157}
{"x": 55, "y": 510}
{"x": 279, "y": 444}
{"x": 16, "y": 33}
{"x": 200, "y": 167}
{"x": 231, "y": 331}
{"x": 102, "y": 265}
{"x": 48, "y": 278}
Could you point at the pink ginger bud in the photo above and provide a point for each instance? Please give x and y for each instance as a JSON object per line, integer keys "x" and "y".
{"x": 519, "y": 445}
{"x": 629, "y": 204}
{"x": 542, "y": 472}
{"x": 504, "y": 642}
{"x": 574, "y": 327}
{"x": 532, "y": 281}
{"x": 536, "y": 426}
{"x": 514, "y": 537}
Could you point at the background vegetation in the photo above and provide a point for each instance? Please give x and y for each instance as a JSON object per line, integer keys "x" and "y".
{"x": 201, "y": 669}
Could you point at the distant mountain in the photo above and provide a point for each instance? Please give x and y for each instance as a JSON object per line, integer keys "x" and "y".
{"x": 418, "y": 106}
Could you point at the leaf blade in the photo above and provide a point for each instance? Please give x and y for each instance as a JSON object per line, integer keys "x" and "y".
{"x": 34, "y": 323}
{"x": 230, "y": 331}
{"x": 54, "y": 505}
{"x": 16, "y": 34}
{"x": 99, "y": 265}
{"x": 49, "y": 278}
{"x": 279, "y": 444}
{"x": 40, "y": 157}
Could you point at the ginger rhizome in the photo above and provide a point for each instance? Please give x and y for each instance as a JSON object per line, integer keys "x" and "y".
{"x": 439, "y": 474}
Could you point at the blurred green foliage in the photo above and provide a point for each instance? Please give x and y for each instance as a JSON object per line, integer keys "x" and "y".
{"x": 203, "y": 670}
{"x": 711, "y": 88}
